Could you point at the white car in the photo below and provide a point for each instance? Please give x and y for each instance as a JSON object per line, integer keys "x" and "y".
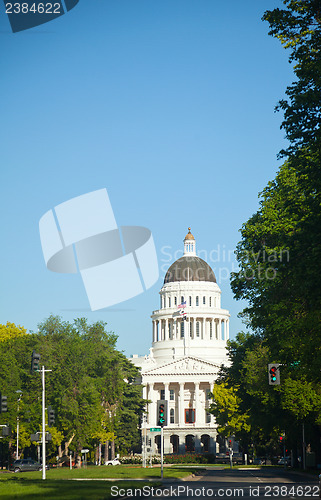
{"x": 113, "y": 462}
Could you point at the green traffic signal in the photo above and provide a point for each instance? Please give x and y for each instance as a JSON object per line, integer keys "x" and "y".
{"x": 274, "y": 373}
{"x": 162, "y": 413}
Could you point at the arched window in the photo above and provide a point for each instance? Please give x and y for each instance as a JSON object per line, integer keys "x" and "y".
{"x": 175, "y": 301}
{"x": 182, "y": 299}
{"x": 204, "y": 300}
{"x": 197, "y": 301}
{"x": 210, "y": 301}
{"x": 190, "y": 301}
{"x": 169, "y": 302}
{"x": 172, "y": 416}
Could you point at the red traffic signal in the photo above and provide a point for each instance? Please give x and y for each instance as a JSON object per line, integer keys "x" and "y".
{"x": 274, "y": 373}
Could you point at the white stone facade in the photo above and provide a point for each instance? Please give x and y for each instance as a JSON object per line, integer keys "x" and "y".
{"x": 185, "y": 357}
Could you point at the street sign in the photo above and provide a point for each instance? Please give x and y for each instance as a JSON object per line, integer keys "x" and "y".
{"x": 85, "y": 450}
{"x": 155, "y": 429}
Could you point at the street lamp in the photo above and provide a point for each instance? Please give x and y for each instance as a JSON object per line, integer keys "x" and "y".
{"x": 19, "y": 399}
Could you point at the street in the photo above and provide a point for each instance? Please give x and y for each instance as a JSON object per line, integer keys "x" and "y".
{"x": 246, "y": 483}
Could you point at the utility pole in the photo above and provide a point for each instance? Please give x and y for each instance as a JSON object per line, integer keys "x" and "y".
{"x": 17, "y": 448}
{"x": 43, "y": 371}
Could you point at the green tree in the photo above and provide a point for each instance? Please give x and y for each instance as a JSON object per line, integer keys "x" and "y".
{"x": 298, "y": 27}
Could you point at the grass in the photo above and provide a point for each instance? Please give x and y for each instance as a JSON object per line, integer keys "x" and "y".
{"x": 60, "y": 483}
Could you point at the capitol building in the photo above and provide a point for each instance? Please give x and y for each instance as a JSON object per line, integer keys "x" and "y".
{"x": 189, "y": 334}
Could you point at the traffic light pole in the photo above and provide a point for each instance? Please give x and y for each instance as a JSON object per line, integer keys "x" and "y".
{"x": 162, "y": 453}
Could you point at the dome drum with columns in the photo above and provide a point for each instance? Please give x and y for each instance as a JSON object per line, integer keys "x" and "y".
{"x": 187, "y": 352}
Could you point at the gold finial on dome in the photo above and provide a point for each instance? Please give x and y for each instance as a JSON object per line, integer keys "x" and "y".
{"x": 189, "y": 235}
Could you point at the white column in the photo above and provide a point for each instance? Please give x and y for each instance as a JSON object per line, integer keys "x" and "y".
{"x": 220, "y": 329}
{"x": 225, "y": 330}
{"x": 145, "y": 389}
{"x": 197, "y": 405}
{"x": 166, "y": 385}
{"x": 213, "y": 328}
{"x": 203, "y": 329}
{"x": 181, "y": 405}
{"x": 154, "y": 331}
{"x": 228, "y": 329}
{"x": 152, "y": 406}
{"x": 166, "y": 329}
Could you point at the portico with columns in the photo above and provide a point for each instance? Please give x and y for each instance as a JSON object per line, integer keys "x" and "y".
{"x": 187, "y": 352}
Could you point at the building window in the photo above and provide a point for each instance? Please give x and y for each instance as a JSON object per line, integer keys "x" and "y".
{"x": 169, "y": 302}
{"x": 190, "y": 301}
{"x": 182, "y": 300}
{"x": 211, "y": 330}
{"x": 162, "y": 394}
{"x": 172, "y": 395}
{"x": 172, "y": 416}
{"x": 197, "y": 328}
{"x": 208, "y": 394}
{"x": 208, "y": 418}
{"x": 189, "y": 416}
{"x": 197, "y": 303}
{"x": 175, "y": 301}
{"x": 210, "y": 301}
{"x": 169, "y": 330}
{"x": 191, "y": 329}
{"x": 182, "y": 329}
{"x": 204, "y": 301}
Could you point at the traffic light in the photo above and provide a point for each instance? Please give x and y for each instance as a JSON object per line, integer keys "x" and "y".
{"x": 51, "y": 416}
{"x": 274, "y": 373}
{"x": 162, "y": 412}
{"x": 35, "y": 359}
{"x": 6, "y": 431}
{"x": 3, "y": 403}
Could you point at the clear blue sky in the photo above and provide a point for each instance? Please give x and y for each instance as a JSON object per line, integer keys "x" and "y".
{"x": 169, "y": 104}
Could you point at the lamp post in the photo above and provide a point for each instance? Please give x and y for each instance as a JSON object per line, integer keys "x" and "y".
{"x": 19, "y": 399}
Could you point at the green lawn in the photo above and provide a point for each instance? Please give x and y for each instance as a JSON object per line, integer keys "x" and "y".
{"x": 59, "y": 484}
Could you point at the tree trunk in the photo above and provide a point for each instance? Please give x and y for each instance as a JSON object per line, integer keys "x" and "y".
{"x": 67, "y": 444}
{"x": 106, "y": 454}
{"x": 77, "y": 460}
{"x": 112, "y": 449}
{"x": 96, "y": 455}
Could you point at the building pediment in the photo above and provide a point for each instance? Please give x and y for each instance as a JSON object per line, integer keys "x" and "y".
{"x": 188, "y": 365}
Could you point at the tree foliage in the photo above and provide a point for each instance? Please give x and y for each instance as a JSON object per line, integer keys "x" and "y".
{"x": 279, "y": 255}
{"x": 90, "y": 385}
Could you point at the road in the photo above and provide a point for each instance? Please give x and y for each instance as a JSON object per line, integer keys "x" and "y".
{"x": 249, "y": 483}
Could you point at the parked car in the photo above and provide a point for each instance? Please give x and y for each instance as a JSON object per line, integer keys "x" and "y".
{"x": 25, "y": 464}
{"x": 284, "y": 461}
{"x": 115, "y": 461}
